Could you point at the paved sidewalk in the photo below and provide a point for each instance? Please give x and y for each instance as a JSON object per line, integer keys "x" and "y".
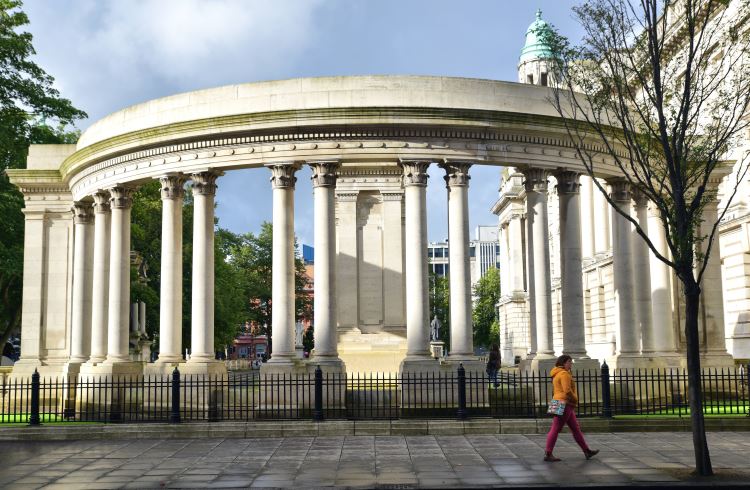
{"x": 369, "y": 461}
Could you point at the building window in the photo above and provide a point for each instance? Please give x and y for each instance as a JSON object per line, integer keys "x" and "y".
{"x": 430, "y": 252}
{"x": 530, "y": 79}
{"x": 544, "y": 79}
{"x": 439, "y": 270}
{"x": 472, "y": 251}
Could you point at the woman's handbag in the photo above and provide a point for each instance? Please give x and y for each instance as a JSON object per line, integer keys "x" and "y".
{"x": 556, "y": 407}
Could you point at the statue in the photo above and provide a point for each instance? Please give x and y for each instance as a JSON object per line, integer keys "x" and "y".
{"x": 435, "y": 329}
{"x": 298, "y": 334}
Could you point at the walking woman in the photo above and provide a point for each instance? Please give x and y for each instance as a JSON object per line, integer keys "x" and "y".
{"x": 565, "y": 391}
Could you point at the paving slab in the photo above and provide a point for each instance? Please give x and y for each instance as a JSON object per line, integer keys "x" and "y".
{"x": 411, "y": 459}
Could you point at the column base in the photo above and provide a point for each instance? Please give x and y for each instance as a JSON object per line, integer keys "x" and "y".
{"x": 716, "y": 360}
{"x": 538, "y": 365}
{"x": 110, "y": 370}
{"x": 164, "y": 368}
{"x": 417, "y": 365}
{"x": 327, "y": 364}
{"x": 471, "y": 364}
{"x": 212, "y": 368}
{"x": 630, "y": 361}
{"x": 287, "y": 366}
{"x": 24, "y": 369}
{"x": 665, "y": 360}
{"x": 586, "y": 365}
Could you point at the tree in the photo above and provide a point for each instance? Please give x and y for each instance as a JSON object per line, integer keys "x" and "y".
{"x": 663, "y": 87}
{"x": 440, "y": 305}
{"x": 484, "y": 315}
{"x": 27, "y": 100}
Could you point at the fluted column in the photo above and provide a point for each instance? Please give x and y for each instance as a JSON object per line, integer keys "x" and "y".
{"x": 505, "y": 289}
{"x": 574, "y": 334}
{"x": 587, "y": 216}
{"x": 324, "y": 185}
{"x": 516, "y": 255}
{"x": 540, "y": 299}
{"x": 457, "y": 180}
{"x": 628, "y": 336}
{"x": 661, "y": 340}
{"x": 417, "y": 303}
{"x": 80, "y": 334}
{"x": 282, "y": 314}
{"x": 121, "y": 202}
{"x": 202, "y": 308}
{"x": 642, "y": 272}
{"x": 170, "y": 306}
{"x": 100, "y": 281}
{"x": 602, "y": 219}
{"x": 711, "y": 317}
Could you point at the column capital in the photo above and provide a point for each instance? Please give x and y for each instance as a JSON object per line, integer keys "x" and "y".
{"x": 204, "y": 183}
{"x": 172, "y": 186}
{"x": 415, "y": 172}
{"x": 568, "y": 181}
{"x": 535, "y": 179}
{"x": 621, "y": 190}
{"x": 324, "y": 173}
{"x": 121, "y": 197}
{"x": 282, "y": 175}
{"x": 456, "y": 173}
{"x": 101, "y": 202}
{"x": 83, "y": 212}
{"x": 639, "y": 197}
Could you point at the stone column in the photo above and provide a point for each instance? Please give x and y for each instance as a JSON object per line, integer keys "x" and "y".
{"x": 628, "y": 335}
{"x": 170, "y": 306}
{"x": 537, "y": 236}
{"x": 574, "y": 334}
{"x": 601, "y": 218}
{"x": 417, "y": 302}
{"x": 121, "y": 201}
{"x": 587, "y": 216}
{"x": 661, "y": 341}
{"x": 80, "y": 334}
{"x": 642, "y": 272}
{"x": 324, "y": 185}
{"x": 282, "y": 320}
{"x": 202, "y": 310}
{"x": 505, "y": 289}
{"x": 515, "y": 246}
{"x": 100, "y": 287}
{"x": 457, "y": 180}
{"x": 711, "y": 313}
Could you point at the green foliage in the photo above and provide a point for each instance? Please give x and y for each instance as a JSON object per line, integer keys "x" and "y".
{"x": 440, "y": 305}
{"x": 484, "y": 316}
{"x": 27, "y": 99}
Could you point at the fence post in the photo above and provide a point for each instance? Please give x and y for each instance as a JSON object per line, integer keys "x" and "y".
{"x": 174, "y": 415}
{"x": 461, "y": 392}
{"x": 34, "y": 416}
{"x": 606, "y": 399}
{"x": 318, "y": 411}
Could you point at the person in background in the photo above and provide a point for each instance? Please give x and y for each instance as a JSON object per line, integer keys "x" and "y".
{"x": 493, "y": 364}
{"x": 565, "y": 391}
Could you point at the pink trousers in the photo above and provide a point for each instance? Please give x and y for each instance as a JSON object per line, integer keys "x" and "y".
{"x": 558, "y": 422}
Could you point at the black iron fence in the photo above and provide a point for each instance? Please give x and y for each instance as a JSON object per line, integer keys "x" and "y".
{"x": 320, "y": 395}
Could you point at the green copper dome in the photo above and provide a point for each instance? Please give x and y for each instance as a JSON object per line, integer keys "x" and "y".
{"x": 534, "y": 48}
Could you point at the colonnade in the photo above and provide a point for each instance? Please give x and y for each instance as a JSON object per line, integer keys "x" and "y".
{"x": 643, "y": 311}
{"x": 101, "y": 279}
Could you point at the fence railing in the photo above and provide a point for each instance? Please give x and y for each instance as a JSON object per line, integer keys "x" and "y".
{"x": 320, "y": 395}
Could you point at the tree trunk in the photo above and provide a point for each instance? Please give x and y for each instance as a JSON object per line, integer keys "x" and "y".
{"x": 692, "y": 298}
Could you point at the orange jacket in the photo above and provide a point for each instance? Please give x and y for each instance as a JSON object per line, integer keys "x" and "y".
{"x": 564, "y": 386}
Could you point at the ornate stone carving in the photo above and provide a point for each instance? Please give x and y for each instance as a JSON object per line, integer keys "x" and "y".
{"x": 392, "y": 196}
{"x": 120, "y": 197}
{"x": 172, "y": 186}
{"x": 83, "y": 212}
{"x": 204, "y": 183}
{"x": 283, "y": 175}
{"x": 620, "y": 190}
{"x": 101, "y": 202}
{"x": 347, "y": 196}
{"x": 415, "y": 172}
{"x": 535, "y": 179}
{"x": 568, "y": 182}
{"x": 456, "y": 173}
{"x": 324, "y": 174}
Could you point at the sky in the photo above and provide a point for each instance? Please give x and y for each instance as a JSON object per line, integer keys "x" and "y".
{"x": 106, "y": 55}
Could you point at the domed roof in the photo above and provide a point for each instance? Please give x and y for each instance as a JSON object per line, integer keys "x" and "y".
{"x": 534, "y": 48}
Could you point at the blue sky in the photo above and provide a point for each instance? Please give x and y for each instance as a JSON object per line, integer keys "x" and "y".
{"x": 107, "y": 55}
